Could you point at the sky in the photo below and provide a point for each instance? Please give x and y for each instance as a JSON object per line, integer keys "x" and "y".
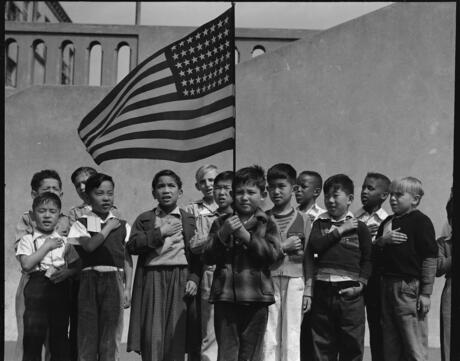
{"x": 291, "y": 15}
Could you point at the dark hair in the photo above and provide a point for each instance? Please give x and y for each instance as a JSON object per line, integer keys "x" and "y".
{"x": 315, "y": 175}
{"x": 252, "y": 175}
{"x": 87, "y": 170}
{"x": 282, "y": 171}
{"x": 38, "y": 178}
{"x": 166, "y": 173}
{"x": 339, "y": 181}
{"x": 95, "y": 180}
{"x": 228, "y": 175}
{"x": 381, "y": 177}
{"x": 45, "y": 198}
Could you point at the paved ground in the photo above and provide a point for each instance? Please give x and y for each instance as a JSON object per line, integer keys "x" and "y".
{"x": 434, "y": 354}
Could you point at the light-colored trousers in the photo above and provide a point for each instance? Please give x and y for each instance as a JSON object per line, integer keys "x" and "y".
{"x": 282, "y": 336}
{"x": 208, "y": 343}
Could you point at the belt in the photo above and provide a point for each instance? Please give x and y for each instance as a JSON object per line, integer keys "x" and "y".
{"x": 103, "y": 269}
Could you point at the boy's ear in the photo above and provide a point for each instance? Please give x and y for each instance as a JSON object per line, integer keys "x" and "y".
{"x": 33, "y": 194}
{"x": 416, "y": 200}
{"x": 153, "y": 193}
{"x": 351, "y": 197}
{"x": 384, "y": 196}
{"x": 197, "y": 186}
{"x": 181, "y": 192}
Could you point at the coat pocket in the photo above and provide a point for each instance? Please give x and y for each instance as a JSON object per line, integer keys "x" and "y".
{"x": 266, "y": 283}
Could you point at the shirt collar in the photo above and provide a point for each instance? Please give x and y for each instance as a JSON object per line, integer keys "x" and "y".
{"x": 37, "y": 234}
{"x": 160, "y": 212}
{"x": 207, "y": 206}
{"x": 380, "y": 213}
{"x": 326, "y": 215}
{"x": 111, "y": 215}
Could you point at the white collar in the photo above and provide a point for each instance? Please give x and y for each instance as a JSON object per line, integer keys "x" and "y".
{"x": 110, "y": 215}
{"x": 380, "y": 213}
{"x": 326, "y": 215}
{"x": 37, "y": 234}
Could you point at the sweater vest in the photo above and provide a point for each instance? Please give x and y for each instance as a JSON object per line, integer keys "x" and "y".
{"x": 110, "y": 253}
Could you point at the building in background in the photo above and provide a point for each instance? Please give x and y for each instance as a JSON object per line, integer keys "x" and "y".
{"x": 36, "y": 12}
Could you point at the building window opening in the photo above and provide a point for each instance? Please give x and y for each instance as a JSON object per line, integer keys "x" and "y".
{"x": 39, "y": 63}
{"x": 123, "y": 61}
{"x": 95, "y": 64}
{"x": 11, "y": 63}
{"x": 258, "y": 50}
{"x": 67, "y": 63}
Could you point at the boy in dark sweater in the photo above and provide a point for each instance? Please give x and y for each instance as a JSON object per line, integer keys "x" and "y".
{"x": 343, "y": 245}
{"x": 408, "y": 260}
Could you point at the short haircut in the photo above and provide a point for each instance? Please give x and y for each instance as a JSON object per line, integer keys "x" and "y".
{"x": 381, "y": 177}
{"x": 339, "y": 181}
{"x": 166, "y": 173}
{"x": 38, "y": 178}
{"x": 282, "y": 171}
{"x": 45, "y": 198}
{"x": 410, "y": 185}
{"x": 86, "y": 170}
{"x": 96, "y": 180}
{"x": 313, "y": 174}
{"x": 203, "y": 169}
{"x": 254, "y": 175}
{"x": 228, "y": 175}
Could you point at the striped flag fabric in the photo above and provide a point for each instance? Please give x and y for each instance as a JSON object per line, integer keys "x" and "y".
{"x": 177, "y": 105}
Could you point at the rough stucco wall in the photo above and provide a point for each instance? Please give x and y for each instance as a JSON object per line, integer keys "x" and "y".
{"x": 375, "y": 93}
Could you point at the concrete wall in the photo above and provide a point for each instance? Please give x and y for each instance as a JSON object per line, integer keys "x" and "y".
{"x": 375, "y": 93}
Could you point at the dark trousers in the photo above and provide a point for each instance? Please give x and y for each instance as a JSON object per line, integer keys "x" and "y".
{"x": 338, "y": 323}
{"x": 73, "y": 334}
{"x": 46, "y": 311}
{"x": 239, "y": 330}
{"x": 372, "y": 299}
{"x": 306, "y": 340}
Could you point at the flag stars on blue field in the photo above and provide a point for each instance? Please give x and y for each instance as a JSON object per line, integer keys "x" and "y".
{"x": 201, "y": 61}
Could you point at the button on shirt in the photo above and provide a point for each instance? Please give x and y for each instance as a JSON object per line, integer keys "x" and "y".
{"x": 335, "y": 224}
{"x": 57, "y": 258}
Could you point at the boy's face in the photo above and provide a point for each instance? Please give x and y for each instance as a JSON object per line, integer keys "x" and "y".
{"x": 337, "y": 202}
{"x": 223, "y": 194}
{"x": 101, "y": 198}
{"x": 48, "y": 185}
{"x": 373, "y": 193}
{"x": 46, "y": 215}
{"x": 403, "y": 202}
{"x": 206, "y": 184}
{"x": 80, "y": 184}
{"x": 63, "y": 226}
{"x": 167, "y": 192}
{"x": 306, "y": 189}
{"x": 248, "y": 198}
{"x": 280, "y": 191}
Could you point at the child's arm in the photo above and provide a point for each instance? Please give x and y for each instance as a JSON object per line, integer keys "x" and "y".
{"x": 365, "y": 246}
{"x": 444, "y": 263}
{"x": 146, "y": 238}
{"x": 214, "y": 248}
{"x": 24, "y": 226}
{"x": 73, "y": 265}
{"x": 89, "y": 244}
{"x": 128, "y": 268}
{"x": 320, "y": 243}
{"x": 308, "y": 269}
{"x": 28, "y": 262}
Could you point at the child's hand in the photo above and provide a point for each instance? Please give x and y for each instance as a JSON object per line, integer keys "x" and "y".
{"x": 168, "y": 229}
{"x": 53, "y": 243}
{"x": 190, "y": 288}
{"x": 126, "y": 298}
{"x": 112, "y": 223}
{"x": 393, "y": 237}
{"x": 292, "y": 244}
{"x": 230, "y": 225}
{"x": 61, "y": 275}
{"x": 373, "y": 228}
{"x": 306, "y": 304}
{"x": 348, "y": 225}
{"x": 352, "y": 291}
{"x": 423, "y": 304}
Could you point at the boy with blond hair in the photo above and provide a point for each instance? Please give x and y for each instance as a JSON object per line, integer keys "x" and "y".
{"x": 408, "y": 258}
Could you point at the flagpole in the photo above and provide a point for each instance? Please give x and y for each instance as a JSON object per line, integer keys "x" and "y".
{"x": 234, "y": 91}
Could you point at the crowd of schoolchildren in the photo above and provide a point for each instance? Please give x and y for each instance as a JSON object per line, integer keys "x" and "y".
{"x": 223, "y": 279}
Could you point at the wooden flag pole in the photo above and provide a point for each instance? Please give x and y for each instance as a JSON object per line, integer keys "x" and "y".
{"x": 234, "y": 94}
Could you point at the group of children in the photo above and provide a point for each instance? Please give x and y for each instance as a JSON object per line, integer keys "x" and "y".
{"x": 223, "y": 279}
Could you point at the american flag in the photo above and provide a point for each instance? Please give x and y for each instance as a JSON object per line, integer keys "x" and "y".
{"x": 178, "y": 104}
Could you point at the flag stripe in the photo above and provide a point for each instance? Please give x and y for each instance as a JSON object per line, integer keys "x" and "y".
{"x": 167, "y": 154}
{"x": 175, "y": 124}
{"x": 169, "y": 134}
{"x": 169, "y": 143}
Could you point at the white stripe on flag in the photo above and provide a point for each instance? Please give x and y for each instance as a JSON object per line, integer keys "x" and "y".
{"x": 175, "y": 124}
{"x": 169, "y": 144}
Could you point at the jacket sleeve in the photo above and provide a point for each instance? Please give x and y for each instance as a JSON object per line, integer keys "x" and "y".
{"x": 365, "y": 246}
{"x": 428, "y": 248}
{"x": 265, "y": 243}
{"x": 444, "y": 262}
{"x": 214, "y": 248}
{"x": 320, "y": 243}
{"x": 308, "y": 261}
{"x": 144, "y": 238}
